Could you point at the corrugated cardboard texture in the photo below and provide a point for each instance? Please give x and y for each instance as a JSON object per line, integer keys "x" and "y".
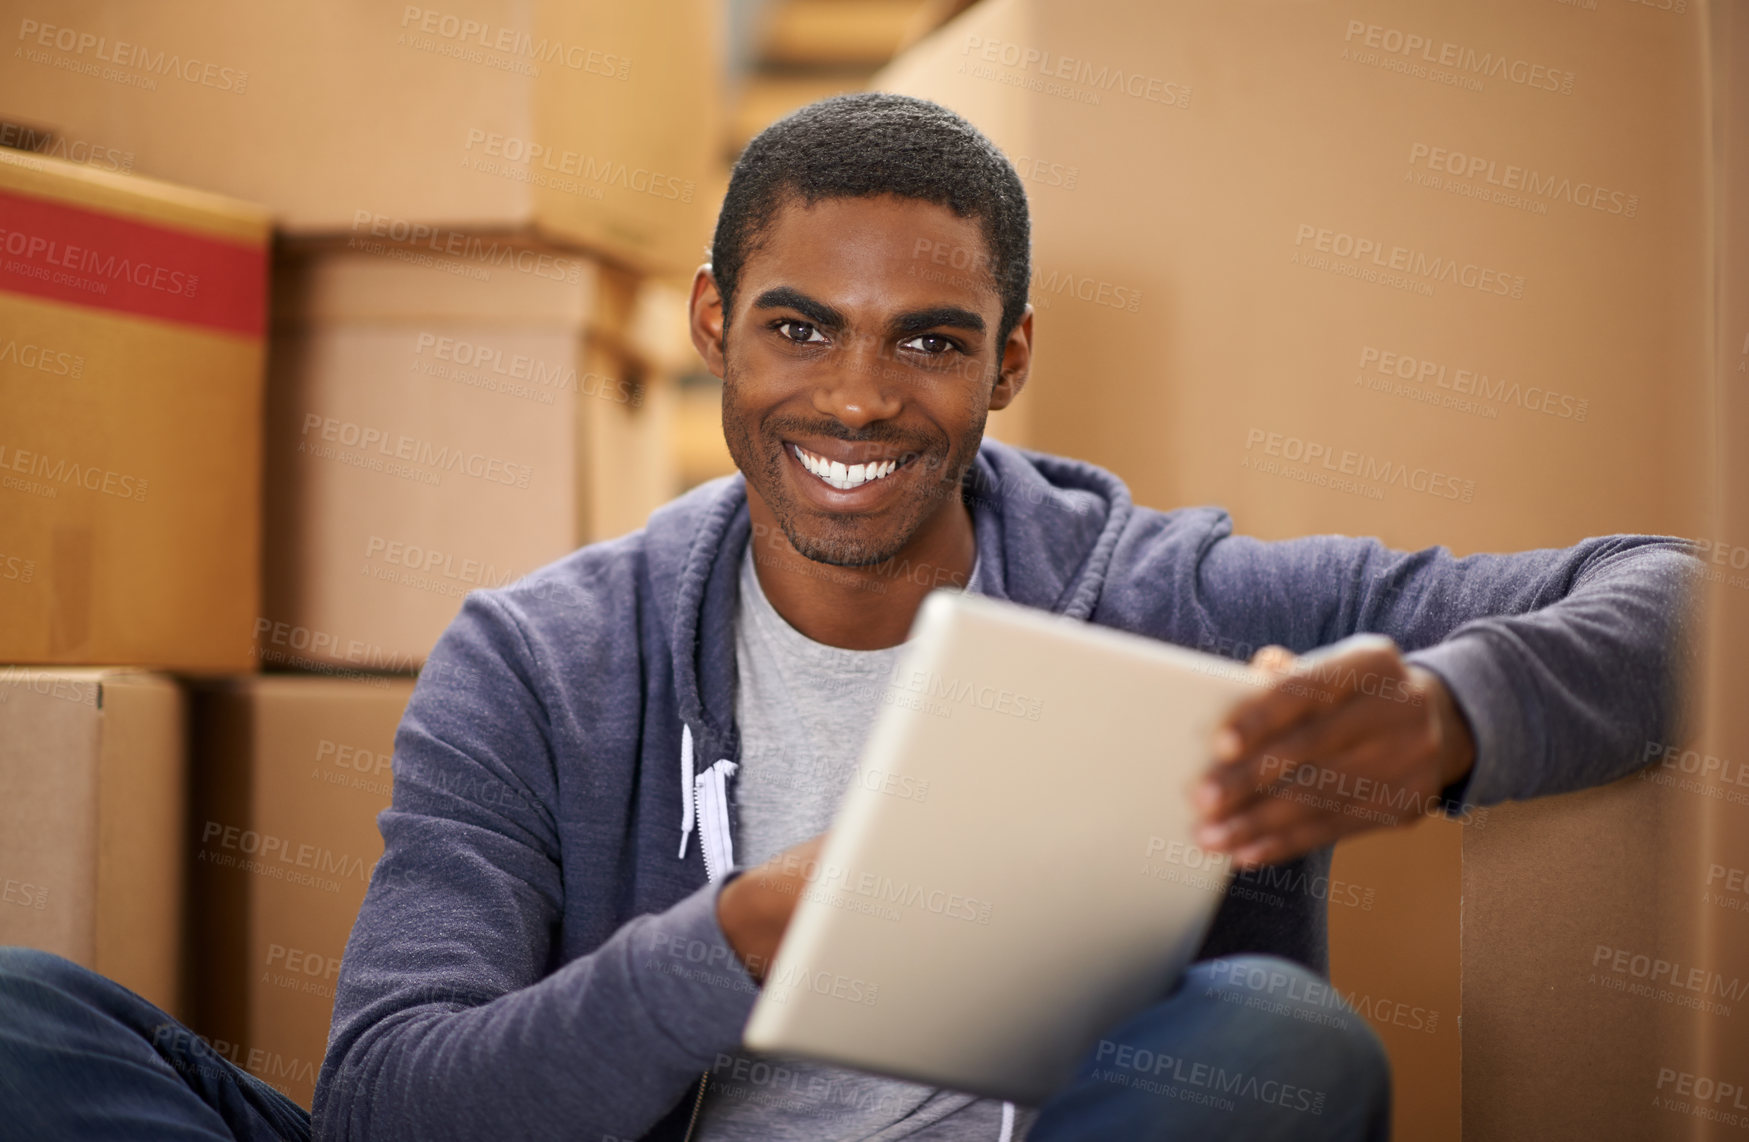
{"x": 422, "y": 442}
{"x": 289, "y": 775}
{"x": 129, "y": 515}
{"x": 1435, "y": 273}
{"x": 1720, "y": 1052}
{"x": 592, "y": 123}
{"x": 91, "y": 780}
{"x": 1606, "y": 948}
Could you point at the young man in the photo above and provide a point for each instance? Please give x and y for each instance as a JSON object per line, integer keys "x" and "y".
{"x": 560, "y": 942}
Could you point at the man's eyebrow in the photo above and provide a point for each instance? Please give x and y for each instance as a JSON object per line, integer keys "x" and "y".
{"x": 818, "y": 312}
{"x": 950, "y": 315}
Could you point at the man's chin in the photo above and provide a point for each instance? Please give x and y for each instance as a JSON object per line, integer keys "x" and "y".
{"x": 842, "y": 552}
{"x": 841, "y": 542}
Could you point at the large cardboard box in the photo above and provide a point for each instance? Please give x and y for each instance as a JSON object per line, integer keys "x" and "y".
{"x": 439, "y": 423}
{"x": 289, "y": 774}
{"x": 91, "y": 813}
{"x": 1436, "y": 273}
{"x": 131, "y": 317}
{"x": 1606, "y": 935}
{"x": 593, "y": 123}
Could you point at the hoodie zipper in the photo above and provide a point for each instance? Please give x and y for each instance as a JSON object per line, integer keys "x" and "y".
{"x": 711, "y": 796}
{"x": 697, "y": 1105}
{"x": 710, "y": 803}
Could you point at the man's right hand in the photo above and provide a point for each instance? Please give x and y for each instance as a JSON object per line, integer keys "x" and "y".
{"x": 754, "y": 908}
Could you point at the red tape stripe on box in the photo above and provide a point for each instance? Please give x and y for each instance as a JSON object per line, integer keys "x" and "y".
{"x": 81, "y": 257}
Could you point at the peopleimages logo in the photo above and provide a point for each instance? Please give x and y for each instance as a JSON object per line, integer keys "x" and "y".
{"x": 489, "y": 367}
{"x": 1347, "y": 462}
{"x": 432, "y": 561}
{"x": 120, "y": 53}
{"x": 1076, "y": 72}
{"x": 1510, "y": 176}
{"x": 19, "y": 137}
{"x": 459, "y": 37}
{"x": 40, "y": 466}
{"x": 55, "y": 362}
{"x": 965, "y": 692}
{"x": 420, "y": 236}
{"x": 1409, "y": 261}
{"x": 1462, "y": 59}
{"x": 43, "y": 255}
{"x": 601, "y": 172}
{"x": 1472, "y": 382}
{"x": 368, "y": 440}
{"x": 276, "y": 855}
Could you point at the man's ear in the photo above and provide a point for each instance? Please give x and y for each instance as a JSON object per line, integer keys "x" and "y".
{"x": 705, "y": 317}
{"x": 1016, "y": 363}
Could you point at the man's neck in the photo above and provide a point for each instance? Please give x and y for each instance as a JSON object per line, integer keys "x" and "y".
{"x": 863, "y": 608}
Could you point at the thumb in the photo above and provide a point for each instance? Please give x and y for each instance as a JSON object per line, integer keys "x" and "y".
{"x": 1274, "y": 660}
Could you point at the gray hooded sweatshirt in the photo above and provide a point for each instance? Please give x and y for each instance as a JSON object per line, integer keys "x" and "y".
{"x": 538, "y": 955}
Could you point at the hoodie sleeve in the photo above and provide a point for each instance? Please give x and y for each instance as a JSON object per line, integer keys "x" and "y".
{"x": 1568, "y": 663}
{"x": 449, "y": 1018}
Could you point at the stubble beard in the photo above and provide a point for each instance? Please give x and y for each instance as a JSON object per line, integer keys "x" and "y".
{"x": 758, "y": 451}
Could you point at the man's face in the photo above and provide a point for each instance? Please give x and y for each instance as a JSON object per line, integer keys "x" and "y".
{"x": 858, "y": 368}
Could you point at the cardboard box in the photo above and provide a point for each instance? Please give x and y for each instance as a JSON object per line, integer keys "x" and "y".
{"x": 91, "y": 821}
{"x": 591, "y": 123}
{"x": 1606, "y": 935}
{"x": 289, "y": 775}
{"x": 438, "y": 423}
{"x": 131, "y": 318}
{"x": 1439, "y": 274}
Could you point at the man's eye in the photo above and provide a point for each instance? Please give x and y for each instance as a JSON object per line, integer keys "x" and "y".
{"x": 934, "y": 344}
{"x": 800, "y": 332}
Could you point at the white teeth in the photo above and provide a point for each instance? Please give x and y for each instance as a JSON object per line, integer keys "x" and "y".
{"x": 842, "y": 477}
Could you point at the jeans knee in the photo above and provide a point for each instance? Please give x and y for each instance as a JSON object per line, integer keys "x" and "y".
{"x": 44, "y": 989}
{"x": 23, "y": 966}
{"x": 1299, "y": 1009}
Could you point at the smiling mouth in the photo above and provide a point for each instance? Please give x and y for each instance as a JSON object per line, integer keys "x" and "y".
{"x": 846, "y": 477}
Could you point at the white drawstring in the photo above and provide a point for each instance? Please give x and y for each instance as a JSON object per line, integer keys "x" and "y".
{"x": 688, "y": 811}
{"x": 719, "y": 850}
{"x": 1007, "y": 1122}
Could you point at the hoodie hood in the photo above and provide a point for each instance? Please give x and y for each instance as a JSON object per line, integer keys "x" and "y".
{"x": 1046, "y": 529}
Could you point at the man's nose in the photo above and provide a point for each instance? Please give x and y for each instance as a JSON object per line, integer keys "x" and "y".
{"x": 856, "y": 388}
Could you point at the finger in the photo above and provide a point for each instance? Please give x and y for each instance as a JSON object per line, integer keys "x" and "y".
{"x": 1303, "y": 837}
{"x": 1271, "y": 661}
{"x": 1298, "y": 842}
{"x": 1284, "y": 810}
{"x": 1316, "y": 682}
{"x": 1333, "y": 740}
{"x": 1370, "y": 781}
{"x": 1238, "y": 783}
{"x": 1274, "y": 659}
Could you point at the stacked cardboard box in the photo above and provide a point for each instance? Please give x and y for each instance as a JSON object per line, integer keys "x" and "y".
{"x": 289, "y": 776}
{"x": 439, "y": 423}
{"x": 131, "y": 324}
{"x": 91, "y": 812}
{"x": 131, "y": 327}
{"x": 532, "y": 118}
{"x": 1441, "y": 274}
{"x": 468, "y": 364}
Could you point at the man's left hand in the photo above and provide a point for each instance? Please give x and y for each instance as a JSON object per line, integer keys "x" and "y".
{"x": 1353, "y": 739}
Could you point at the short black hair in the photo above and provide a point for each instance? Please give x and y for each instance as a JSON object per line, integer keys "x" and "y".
{"x": 873, "y": 143}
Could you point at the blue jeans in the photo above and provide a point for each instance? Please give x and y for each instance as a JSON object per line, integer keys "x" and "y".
{"x": 1248, "y": 1047}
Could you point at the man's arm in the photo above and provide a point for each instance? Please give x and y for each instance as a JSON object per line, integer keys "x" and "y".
{"x": 446, "y": 1022}
{"x": 1527, "y": 674}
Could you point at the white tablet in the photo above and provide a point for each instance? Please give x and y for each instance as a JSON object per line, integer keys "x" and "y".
{"x": 1011, "y": 873}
